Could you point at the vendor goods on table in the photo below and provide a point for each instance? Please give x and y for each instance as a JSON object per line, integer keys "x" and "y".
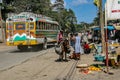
{"x": 93, "y": 68}
{"x": 82, "y": 65}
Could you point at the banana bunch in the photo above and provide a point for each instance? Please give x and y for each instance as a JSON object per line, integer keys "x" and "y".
{"x": 115, "y": 45}
{"x": 93, "y": 68}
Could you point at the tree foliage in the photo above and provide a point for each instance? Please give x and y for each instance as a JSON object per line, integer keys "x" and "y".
{"x": 35, "y": 6}
{"x": 66, "y": 18}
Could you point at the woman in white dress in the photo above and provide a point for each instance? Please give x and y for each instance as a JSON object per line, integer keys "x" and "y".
{"x": 77, "y": 46}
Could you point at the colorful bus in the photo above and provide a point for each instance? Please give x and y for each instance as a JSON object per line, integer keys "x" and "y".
{"x": 29, "y": 29}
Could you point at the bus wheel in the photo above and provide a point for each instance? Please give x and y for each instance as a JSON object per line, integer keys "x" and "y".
{"x": 35, "y": 47}
{"x": 45, "y": 43}
{"x": 22, "y": 48}
{"x": 118, "y": 59}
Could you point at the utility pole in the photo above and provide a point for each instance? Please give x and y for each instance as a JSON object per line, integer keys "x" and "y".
{"x": 102, "y": 27}
{"x": 2, "y": 32}
{"x": 104, "y": 44}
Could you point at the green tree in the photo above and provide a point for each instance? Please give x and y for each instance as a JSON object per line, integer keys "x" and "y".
{"x": 36, "y": 6}
{"x": 69, "y": 20}
{"x": 6, "y": 8}
{"x": 66, "y": 18}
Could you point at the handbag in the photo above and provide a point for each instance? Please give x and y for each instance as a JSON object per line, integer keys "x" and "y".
{"x": 68, "y": 50}
{"x": 58, "y": 49}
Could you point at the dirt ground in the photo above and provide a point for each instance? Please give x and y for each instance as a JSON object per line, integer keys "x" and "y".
{"x": 45, "y": 67}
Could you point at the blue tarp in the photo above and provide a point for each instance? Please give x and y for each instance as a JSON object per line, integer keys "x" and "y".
{"x": 108, "y": 27}
{"x": 97, "y": 28}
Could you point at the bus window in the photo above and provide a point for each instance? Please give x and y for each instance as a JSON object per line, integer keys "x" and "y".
{"x": 49, "y": 26}
{"x": 9, "y": 26}
{"x": 20, "y": 26}
{"x": 32, "y": 26}
{"x": 44, "y": 24}
{"x": 57, "y": 27}
{"x": 37, "y": 25}
{"x": 53, "y": 27}
{"x": 40, "y": 24}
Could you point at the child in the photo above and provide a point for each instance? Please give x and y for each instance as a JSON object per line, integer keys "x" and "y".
{"x": 86, "y": 48}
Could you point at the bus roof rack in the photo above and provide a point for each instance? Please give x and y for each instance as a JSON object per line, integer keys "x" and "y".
{"x": 35, "y": 15}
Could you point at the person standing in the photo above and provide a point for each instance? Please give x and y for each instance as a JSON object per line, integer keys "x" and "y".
{"x": 60, "y": 36}
{"x": 90, "y": 37}
{"x": 77, "y": 46}
{"x": 59, "y": 43}
{"x": 72, "y": 41}
{"x": 72, "y": 44}
{"x": 85, "y": 39}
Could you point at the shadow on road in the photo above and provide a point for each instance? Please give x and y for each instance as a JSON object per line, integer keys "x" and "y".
{"x": 31, "y": 49}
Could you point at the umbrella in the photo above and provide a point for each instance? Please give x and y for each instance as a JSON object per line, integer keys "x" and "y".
{"x": 97, "y": 28}
{"x": 110, "y": 27}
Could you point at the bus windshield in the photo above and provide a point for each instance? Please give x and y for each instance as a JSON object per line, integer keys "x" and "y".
{"x": 20, "y": 26}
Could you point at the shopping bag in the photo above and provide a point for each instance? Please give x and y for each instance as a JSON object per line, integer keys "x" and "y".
{"x": 58, "y": 49}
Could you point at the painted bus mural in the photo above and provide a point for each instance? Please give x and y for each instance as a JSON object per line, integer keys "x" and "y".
{"x": 29, "y": 29}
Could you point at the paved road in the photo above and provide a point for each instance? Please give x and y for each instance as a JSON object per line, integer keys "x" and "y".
{"x": 10, "y": 56}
